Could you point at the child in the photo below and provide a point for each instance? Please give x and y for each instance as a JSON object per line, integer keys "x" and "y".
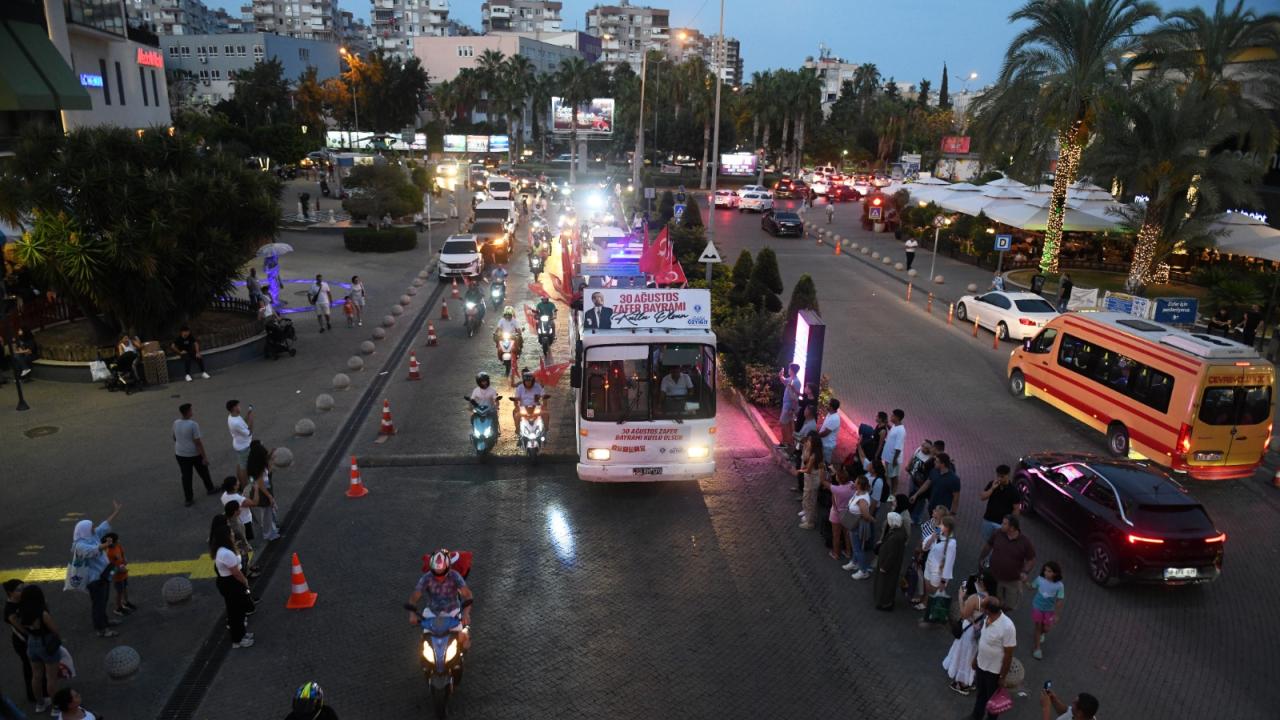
{"x": 120, "y": 575}
{"x": 349, "y": 309}
{"x": 1047, "y": 603}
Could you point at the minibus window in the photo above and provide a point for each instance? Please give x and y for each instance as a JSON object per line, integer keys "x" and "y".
{"x": 1044, "y": 341}
{"x": 1246, "y": 405}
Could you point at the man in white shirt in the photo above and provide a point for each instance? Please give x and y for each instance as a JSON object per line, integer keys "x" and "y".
{"x": 830, "y": 431}
{"x": 996, "y": 642}
{"x": 321, "y": 297}
{"x": 485, "y": 394}
{"x": 911, "y": 246}
{"x": 891, "y": 455}
{"x": 528, "y": 394}
{"x": 1085, "y": 707}
{"x": 241, "y": 429}
{"x": 675, "y": 389}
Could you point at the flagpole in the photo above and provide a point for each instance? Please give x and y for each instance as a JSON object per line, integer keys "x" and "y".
{"x": 715, "y": 143}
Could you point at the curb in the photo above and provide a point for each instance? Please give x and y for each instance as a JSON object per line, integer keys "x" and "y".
{"x": 762, "y": 429}
{"x": 420, "y": 459}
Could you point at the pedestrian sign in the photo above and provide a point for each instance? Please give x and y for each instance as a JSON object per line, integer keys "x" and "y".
{"x": 650, "y": 193}
{"x": 679, "y": 210}
{"x": 710, "y": 254}
{"x": 1003, "y": 242}
{"x": 874, "y": 213}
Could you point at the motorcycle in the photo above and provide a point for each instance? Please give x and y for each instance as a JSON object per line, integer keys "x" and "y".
{"x": 442, "y": 656}
{"x": 497, "y": 292}
{"x": 509, "y": 347}
{"x": 484, "y": 426}
{"x": 546, "y": 334}
{"x": 535, "y": 265}
{"x": 472, "y": 320}
{"x": 532, "y": 430}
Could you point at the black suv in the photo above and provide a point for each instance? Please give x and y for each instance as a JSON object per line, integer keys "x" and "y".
{"x": 1133, "y": 520}
{"x": 782, "y": 223}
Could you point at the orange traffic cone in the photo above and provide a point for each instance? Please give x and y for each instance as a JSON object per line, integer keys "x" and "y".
{"x": 456, "y": 295}
{"x": 356, "y": 489}
{"x": 301, "y": 598}
{"x": 444, "y": 309}
{"x": 414, "y": 374}
{"x": 387, "y": 428}
{"x": 837, "y": 247}
{"x": 431, "y": 334}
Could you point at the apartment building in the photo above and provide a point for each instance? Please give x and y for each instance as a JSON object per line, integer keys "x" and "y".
{"x": 723, "y": 58}
{"x": 202, "y": 66}
{"x": 396, "y": 23}
{"x": 628, "y": 31}
{"x": 308, "y": 19}
{"x": 354, "y": 34}
{"x": 180, "y": 17}
{"x": 832, "y": 73}
{"x": 588, "y": 46}
{"x": 444, "y": 57}
{"x": 525, "y": 16}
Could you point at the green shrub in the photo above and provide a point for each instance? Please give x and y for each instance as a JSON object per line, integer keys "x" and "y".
{"x": 380, "y": 241}
{"x": 762, "y": 386}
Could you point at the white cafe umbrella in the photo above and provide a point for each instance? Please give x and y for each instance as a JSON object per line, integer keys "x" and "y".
{"x": 941, "y": 195}
{"x": 930, "y": 180}
{"x": 275, "y": 248}
{"x": 1005, "y": 182}
{"x": 1098, "y": 195}
{"x": 974, "y": 203}
{"x": 1032, "y": 217}
{"x": 1084, "y": 185}
{"x": 1244, "y": 235}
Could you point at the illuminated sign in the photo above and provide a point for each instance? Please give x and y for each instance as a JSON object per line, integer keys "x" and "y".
{"x": 477, "y": 143}
{"x": 594, "y": 117}
{"x": 90, "y": 80}
{"x": 151, "y": 58}
{"x": 811, "y": 334}
{"x": 646, "y": 308}
{"x": 499, "y": 143}
{"x": 741, "y": 163}
{"x": 455, "y": 143}
{"x": 955, "y": 144}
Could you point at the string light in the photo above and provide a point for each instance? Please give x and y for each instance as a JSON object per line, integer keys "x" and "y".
{"x": 1144, "y": 253}
{"x": 1069, "y": 149}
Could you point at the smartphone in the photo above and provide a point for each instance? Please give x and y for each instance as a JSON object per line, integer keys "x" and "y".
{"x": 250, "y": 408}
{"x": 1048, "y": 685}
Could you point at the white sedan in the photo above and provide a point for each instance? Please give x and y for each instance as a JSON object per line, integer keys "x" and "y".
{"x": 758, "y": 201}
{"x": 752, "y": 188}
{"x": 820, "y": 185}
{"x": 1016, "y": 315}
{"x": 726, "y": 199}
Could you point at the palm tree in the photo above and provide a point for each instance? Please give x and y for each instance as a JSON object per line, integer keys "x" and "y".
{"x": 1058, "y": 70}
{"x": 866, "y": 82}
{"x": 806, "y": 104}
{"x": 518, "y": 74}
{"x": 764, "y": 109}
{"x": 489, "y": 75}
{"x": 540, "y": 93}
{"x": 1153, "y": 142}
{"x": 578, "y": 82}
{"x": 783, "y": 93}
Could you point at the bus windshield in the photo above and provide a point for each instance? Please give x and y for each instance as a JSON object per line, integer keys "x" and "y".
{"x": 662, "y": 381}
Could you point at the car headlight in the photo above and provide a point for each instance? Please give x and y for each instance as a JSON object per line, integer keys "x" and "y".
{"x": 698, "y": 451}
{"x": 452, "y": 651}
{"x": 598, "y": 454}
{"x": 427, "y": 653}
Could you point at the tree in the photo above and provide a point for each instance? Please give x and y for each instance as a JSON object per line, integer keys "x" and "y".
{"x": 519, "y": 76}
{"x": 741, "y": 277}
{"x": 806, "y": 103}
{"x": 944, "y": 96}
{"x": 391, "y": 93}
{"x": 891, "y": 90}
{"x": 804, "y": 296}
{"x": 866, "y": 83}
{"x": 262, "y": 95}
{"x": 692, "y": 215}
{"x": 381, "y": 190}
{"x": 666, "y": 207}
{"x": 922, "y": 99}
{"x": 309, "y": 102}
{"x": 1058, "y": 71}
{"x": 766, "y": 282}
{"x": 578, "y": 82}
{"x": 153, "y": 231}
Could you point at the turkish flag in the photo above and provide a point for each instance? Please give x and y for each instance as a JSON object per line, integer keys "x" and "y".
{"x": 672, "y": 274}
{"x": 549, "y": 375}
{"x": 657, "y": 254}
{"x": 537, "y": 289}
{"x": 531, "y": 317}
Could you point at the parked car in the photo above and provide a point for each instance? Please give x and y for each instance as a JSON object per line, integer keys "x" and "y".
{"x": 843, "y": 193}
{"x": 460, "y": 257}
{"x": 782, "y": 223}
{"x": 790, "y": 188}
{"x": 751, "y": 188}
{"x": 757, "y": 201}
{"x": 726, "y": 199}
{"x": 1016, "y": 315}
{"x": 1132, "y": 519}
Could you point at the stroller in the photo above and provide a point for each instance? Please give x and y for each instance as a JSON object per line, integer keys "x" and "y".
{"x": 280, "y": 337}
{"x": 122, "y": 371}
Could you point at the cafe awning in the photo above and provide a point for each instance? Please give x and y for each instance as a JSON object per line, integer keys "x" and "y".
{"x": 33, "y": 74}
{"x": 1247, "y": 236}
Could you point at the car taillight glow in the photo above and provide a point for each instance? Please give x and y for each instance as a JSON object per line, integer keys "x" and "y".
{"x": 1219, "y": 538}
{"x": 1183, "y": 445}
{"x": 1135, "y": 539}
{"x": 1025, "y": 321}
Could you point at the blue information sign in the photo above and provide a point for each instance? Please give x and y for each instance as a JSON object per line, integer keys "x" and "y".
{"x": 678, "y": 210}
{"x": 1003, "y": 242}
{"x": 1177, "y": 311}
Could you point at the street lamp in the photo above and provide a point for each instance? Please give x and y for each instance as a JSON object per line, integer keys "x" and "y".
{"x": 939, "y": 222}
{"x": 638, "y": 160}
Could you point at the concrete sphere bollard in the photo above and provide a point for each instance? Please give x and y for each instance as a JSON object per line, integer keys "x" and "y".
{"x": 122, "y": 661}
{"x": 854, "y": 245}
{"x": 176, "y": 590}
{"x": 418, "y": 282}
{"x": 355, "y": 363}
{"x": 388, "y": 321}
{"x": 379, "y": 333}
{"x": 405, "y": 299}
{"x": 937, "y": 280}
{"x": 324, "y": 402}
{"x": 875, "y": 256}
{"x": 283, "y": 457}
{"x": 306, "y": 427}
{"x": 424, "y": 273}
{"x": 341, "y": 381}
{"x": 971, "y": 288}
{"x": 1017, "y": 673}
{"x": 411, "y": 291}
{"x": 397, "y": 310}
{"x": 864, "y": 250}
{"x": 899, "y": 267}
{"x": 367, "y": 347}
{"x": 886, "y": 260}
{"x": 912, "y": 273}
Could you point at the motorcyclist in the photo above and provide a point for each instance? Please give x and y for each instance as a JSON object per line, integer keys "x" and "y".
{"x": 308, "y": 704}
{"x": 546, "y": 307}
{"x": 507, "y": 324}
{"x": 529, "y": 393}
{"x": 484, "y": 394}
{"x": 475, "y": 295}
{"x": 499, "y": 273}
{"x": 446, "y": 591}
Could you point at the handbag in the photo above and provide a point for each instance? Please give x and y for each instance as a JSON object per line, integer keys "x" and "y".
{"x": 939, "y": 609}
{"x": 999, "y": 703}
{"x": 98, "y": 370}
{"x": 77, "y": 576}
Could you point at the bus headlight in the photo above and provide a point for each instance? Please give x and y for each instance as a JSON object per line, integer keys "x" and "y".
{"x": 698, "y": 452}
{"x": 598, "y": 454}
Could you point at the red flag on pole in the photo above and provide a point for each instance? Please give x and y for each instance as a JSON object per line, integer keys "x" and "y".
{"x": 537, "y": 289}
{"x": 654, "y": 258}
{"x": 549, "y": 375}
{"x": 672, "y": 274}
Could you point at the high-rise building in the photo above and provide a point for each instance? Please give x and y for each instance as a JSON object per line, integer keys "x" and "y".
{"x": 628, "y": 31}
{"x": 177, "y": 17}
{"x": 832, "y": 73}
{"x": 397, "y": 22}
{"x": 520, "y": 16}
{"x": 724, "y": 59}
{"x": 353, "y": 33}
{"x": 202, "y": 66}
{"x": 307, "y": 19}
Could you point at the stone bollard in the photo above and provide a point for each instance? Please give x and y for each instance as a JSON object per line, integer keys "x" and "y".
{"x": 875, "y": 256}
{"x": 306, "y": 427}
{"x": 887, "y": 260}
{"x": 405, "y": 299}
{"x": 937, "y": 280}
{"x": 397, "y": 310}
{"x": 324, "y": 402}
{"x": 367, "y": 347}
{"x": 341, "y": 381}
{"x": 864, "y": 250}
{"x": 411, "y": 291}
{"x": 899, "y": 267}
{"x": 176, "y": 590}
{"x": 388, "y": 321}
{"x": 855, "y": 246}
{"x": 971, "y": 288}
{"x": 912, "y": 273}
{"x": 355, "y": 363}
{"x": 424, "y": 274}
{"x": 282, "y": 457}
{"x": 379, "y": 333}
{"x": 419, "y": 282}
{"x": 122, "y": 661}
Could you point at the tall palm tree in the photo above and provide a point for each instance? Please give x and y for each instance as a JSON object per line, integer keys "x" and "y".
{"x": 1058, "y": 70}
{"x": 1152, "y": 141}
{"x": 489, "y": 74}
{"x": 540, "y": 93}
{"x": 806, "y": 104}
{"x": 866, "y": 83}
{"x": 578, "y": 82}
{"x": 784, "y": 93}
{"x": 764, "y": 109}
{"x": 519, "y": 75}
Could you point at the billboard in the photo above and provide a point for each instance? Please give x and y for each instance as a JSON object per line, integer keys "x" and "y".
{"x": 955, "y": 144}
{"x": 594, "y": 118}
{"x": 741, "y": 163}
{"x": 499, "y": 143}
{"x": 649, "y": 308}
{"x": 363, "y": 140}
{"x": 477, "y": 143}
{"x": 455, "y": 143}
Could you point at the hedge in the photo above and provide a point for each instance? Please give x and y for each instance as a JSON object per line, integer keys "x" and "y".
{"x": 380, "y": 241}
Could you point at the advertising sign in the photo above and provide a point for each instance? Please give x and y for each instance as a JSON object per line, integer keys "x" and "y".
{"x": 811, "y": 333}
{"x": 594, "y": 118}
{"x": 741, "y": 163}
{"x": 477, "y": 143}
{"x": 90, "y": 80}
{"x": 455, "y": 143}
{"x": 1127, "y": 304}
{"x": 499, "y": 143}
{"x": 1176, "y": 311}
{"x": 651, "y": 308}
{"x": 955, "y": 144}
{"x": 150, "y": 58}
{"x": 341, "y": 140}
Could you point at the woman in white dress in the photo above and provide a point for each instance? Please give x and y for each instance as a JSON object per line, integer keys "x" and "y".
{"x": 959, "y": 660}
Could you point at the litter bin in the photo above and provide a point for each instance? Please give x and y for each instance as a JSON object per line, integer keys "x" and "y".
{"x": 155, "y": 368}
{"x": 1037, "y": 283}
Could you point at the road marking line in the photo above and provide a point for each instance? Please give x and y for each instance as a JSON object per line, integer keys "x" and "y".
{"x": 198, "y": 569}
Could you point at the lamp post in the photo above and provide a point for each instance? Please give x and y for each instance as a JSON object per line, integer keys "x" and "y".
{"x": 638, "y": 161}
{"x": 939, "y": 222}
{"x": 715, "y": 143}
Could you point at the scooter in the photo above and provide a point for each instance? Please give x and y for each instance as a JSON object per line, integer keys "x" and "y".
{"x": 484, "y": 426}
{"x": 546, "y": 334}
{"x": 497, "y": 292}
{"x": 442, "y": 656}
{"x": 509, "y": 347}
{"x": 472, "y": 320}
{"x": 535, "y": 265}
{"x": 533, "y": 431}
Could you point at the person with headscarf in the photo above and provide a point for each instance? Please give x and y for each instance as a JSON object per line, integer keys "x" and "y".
{"x": 88, "y": 546}
{"x": 893, "y": 548}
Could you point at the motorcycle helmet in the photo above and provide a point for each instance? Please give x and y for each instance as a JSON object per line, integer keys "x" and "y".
{"x": 508, "y": 312}
{"x": 482, "y": 379}
{"x": 526, "y": 377}
{"x": 308, "y": 700}
{"x": 440, "y": 562}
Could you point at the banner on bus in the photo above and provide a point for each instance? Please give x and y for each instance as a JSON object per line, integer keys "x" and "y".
{"x": 624, "y": 309}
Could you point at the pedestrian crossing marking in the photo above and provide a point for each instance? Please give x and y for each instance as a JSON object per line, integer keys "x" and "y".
{"x": 198, "y": 569}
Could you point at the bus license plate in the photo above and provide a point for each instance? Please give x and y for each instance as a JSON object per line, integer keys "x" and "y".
{"x": 1179, "y": 573}
{"x": 646, "y": 471}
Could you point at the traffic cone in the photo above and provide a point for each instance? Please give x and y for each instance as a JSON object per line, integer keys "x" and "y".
{"x": 837, "y": 247}
{"x": 301, "y": 597}
{"x": 431, "y": 334}
{"x": 456, "y": 295}
{"x": 444, "y": 309}
{"x": 356, "y": 489}
{"x": 414, "y": 374}
{"x": 387, "y": 428}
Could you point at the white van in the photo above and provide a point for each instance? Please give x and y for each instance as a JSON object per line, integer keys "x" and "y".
{"x": 504, "y": 210}
{"x": 497, "y": 188}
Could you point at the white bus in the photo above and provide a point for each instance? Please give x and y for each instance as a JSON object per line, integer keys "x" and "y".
{"x": 644, "y": 379}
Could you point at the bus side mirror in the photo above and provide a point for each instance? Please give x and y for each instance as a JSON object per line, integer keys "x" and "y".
{"x": 575, "y": 377}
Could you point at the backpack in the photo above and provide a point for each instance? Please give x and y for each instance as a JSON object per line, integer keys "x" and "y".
{"x": 867, "y": 439}
{"x": 885, "y": 492}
